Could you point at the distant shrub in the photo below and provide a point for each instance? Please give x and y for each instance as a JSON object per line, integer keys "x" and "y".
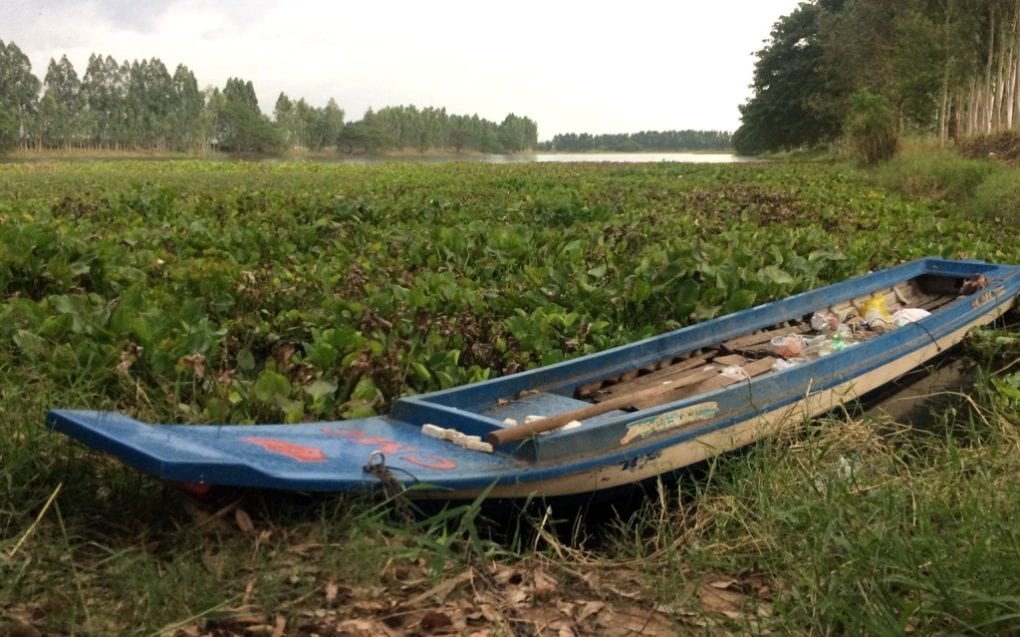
{"x": 998, "y": 199}
{"x": 872, "y": 128}
{"x": 936, "y": 176}
{"x": 1003, "y": 146}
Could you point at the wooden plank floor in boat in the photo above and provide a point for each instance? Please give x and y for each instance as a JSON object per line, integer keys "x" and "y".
{"x": 701, "y": 371}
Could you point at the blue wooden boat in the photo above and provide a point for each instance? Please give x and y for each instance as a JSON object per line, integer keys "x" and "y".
{"x": 601, "y": 421}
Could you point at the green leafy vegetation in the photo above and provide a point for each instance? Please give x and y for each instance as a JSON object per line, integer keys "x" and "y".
{"x": 264, "y": 292}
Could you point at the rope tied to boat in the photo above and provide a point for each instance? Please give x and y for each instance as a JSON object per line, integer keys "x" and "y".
{"x": 392, "y": 488}
{"x": 938, "y": 348}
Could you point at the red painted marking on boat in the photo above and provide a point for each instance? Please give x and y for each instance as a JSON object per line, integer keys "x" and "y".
{"x": 392, "y": 448}
{"x": 301, "y": 453}
{"x": 385, "y": 445}
{"x": 430, "y": 461}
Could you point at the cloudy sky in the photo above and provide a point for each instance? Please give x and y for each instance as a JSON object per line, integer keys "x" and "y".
{"x": 599, "y": 67}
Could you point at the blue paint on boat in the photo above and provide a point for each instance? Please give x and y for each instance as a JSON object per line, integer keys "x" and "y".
{"x": 609, "y": 449}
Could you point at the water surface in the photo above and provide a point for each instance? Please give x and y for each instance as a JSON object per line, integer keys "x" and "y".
{"x": 631, "y": 158}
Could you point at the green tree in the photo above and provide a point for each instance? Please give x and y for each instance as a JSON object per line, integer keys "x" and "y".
{"x": 896, "y": 49}
{"x": 673, "y": 140}
{"x": 150, "y": 100}
{"x": 8, "y": 128}
{"x": 324, "y": 125}
{"x": 798, "y": 100}
{"x": 517, "y": 134}
{"x": 305, "y": 116}
{"x": 286, "y": 121}
{"x": 459, "y": 136}
{"x": 872, "y": 127}
{"x": 60, "y": 121}
{"x": 435, "y": 129}
{"x": 19, "y": 91}
{"x": 946, "y": 67}
{"x": 240, "y": 125}
{"x": 185, "y": 116}
{"x": 103, "y": 99}
{"x": 367, "y": 134}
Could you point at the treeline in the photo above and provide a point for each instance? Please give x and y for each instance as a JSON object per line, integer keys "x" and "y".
{"x": 141, "y": 105}
{"x": 407, "y": 127}
{"x": 672, "y": 140}
{"x": 946, "y": 68}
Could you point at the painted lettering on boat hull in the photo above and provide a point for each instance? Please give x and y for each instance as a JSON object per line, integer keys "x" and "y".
{"x": 988, "y": 296}
{"x": 669, "y": 420}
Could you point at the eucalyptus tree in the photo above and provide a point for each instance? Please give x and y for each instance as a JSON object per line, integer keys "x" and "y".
{"x": 150, "y": 102}
{"x": 103, "y": 89}
{"x": 485, "y": 135}
{"x": 19, "y": 91}
{"x": 399, "y": 125}
{"x": 185, "y": 116}
{"x": 60, "y": 119}
{"x": 993, "y": 101}
{"x": 325, "y": 125}
{"x": 458, "y": 135}
{"x": 284, "y": 117}
{"x": 435, "y": 129}
{"x": 305, "y": 116}
{"x": 140, "y": 105}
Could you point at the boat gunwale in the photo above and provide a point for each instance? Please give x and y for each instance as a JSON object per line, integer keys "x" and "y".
{"x": 448, "y": 406}
{"x": 869, "y": 356}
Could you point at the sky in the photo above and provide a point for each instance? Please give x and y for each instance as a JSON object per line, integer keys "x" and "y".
{"x": 596, "y": 67}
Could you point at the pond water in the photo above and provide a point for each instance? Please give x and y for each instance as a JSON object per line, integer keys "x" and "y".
{"x": 543, "y": 158}
{"x": 628, "y": 158}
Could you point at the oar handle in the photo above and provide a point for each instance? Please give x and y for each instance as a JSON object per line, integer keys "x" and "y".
{"x": 520, "y": 432}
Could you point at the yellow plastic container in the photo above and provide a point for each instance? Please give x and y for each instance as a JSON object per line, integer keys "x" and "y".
{"x": 874, "y": 310}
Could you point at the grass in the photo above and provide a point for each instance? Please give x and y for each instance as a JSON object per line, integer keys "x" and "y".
{"x": 841, "y": 527}
{"x": 984, "y": 189}
{"x": 939, "y": 175}
{"x": 846, "y": 527}
{"x": 997, "y": 199}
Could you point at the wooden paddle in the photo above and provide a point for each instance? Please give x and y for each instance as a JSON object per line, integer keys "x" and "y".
{"x": 519, "y": 432}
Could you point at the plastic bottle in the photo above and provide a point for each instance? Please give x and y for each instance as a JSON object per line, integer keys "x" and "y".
{"x": 838, "y": 344}
{"x": 824, "y": 321}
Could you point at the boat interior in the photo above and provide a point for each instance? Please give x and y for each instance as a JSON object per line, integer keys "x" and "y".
{"x": 699, "y": 371}
{"x": 672, "y": 367}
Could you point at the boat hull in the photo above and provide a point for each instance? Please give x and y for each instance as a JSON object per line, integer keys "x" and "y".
{"x": 613, "y": 449}
{"x": 702, "y": 447}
